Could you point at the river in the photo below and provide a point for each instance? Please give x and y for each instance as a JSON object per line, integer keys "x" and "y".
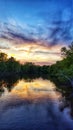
{"x": 33, "y": 105}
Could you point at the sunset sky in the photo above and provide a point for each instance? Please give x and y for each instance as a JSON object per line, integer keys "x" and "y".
{"x": 35, "y": 30}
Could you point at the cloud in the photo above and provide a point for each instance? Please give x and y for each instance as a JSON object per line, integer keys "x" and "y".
{"x": 47, "y": 52}
{"x": 2, "y": 47}
{"x": 61, "y": 32}
{"x": 58, "y": 23}
{"x": 11, "y": 34}
{"x": 41, "y": 36}
{"x": 27, "y": 47}
{"x": 49, "y": 32}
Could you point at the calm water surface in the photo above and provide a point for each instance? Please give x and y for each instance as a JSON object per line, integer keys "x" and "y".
{"x": 33, "y": 105}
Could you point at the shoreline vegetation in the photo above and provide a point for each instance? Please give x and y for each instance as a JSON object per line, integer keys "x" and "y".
{"x": 59, "y": 70}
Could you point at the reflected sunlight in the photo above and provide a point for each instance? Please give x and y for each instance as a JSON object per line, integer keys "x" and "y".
{"x": 36, "y": 89}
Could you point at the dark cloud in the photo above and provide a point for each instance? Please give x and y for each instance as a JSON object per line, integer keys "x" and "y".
{"x": 11, "y": 34}
{"x": 46, "y": 52}
{"x": 55, "y": 30}
{"x": 3, "y": 36}
{"x": 3, "y": 47}
{"x": 21, "y": 37}
{"x": 59, "y": 23}
{"x": 61, "y": 32}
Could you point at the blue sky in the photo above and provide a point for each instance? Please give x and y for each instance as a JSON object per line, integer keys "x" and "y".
{"x": 48, "y": 23}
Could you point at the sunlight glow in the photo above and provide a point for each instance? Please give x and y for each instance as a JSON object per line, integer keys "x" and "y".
{"x": 32, "y": 52}
{"x": 36, "y": 89}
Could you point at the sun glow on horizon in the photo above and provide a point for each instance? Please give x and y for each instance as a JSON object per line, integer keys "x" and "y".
{"x": 35, "y": 53}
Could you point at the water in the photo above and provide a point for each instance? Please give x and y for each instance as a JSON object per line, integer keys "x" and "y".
{"x": 32, "y": 105}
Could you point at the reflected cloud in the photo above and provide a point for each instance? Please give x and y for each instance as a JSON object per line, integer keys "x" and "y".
{"x": 35, "y": 90}
{"x": 26, "y": 92}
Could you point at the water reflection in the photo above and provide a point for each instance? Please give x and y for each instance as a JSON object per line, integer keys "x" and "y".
{"x": 33, "y": 104}
{"x": 67, "y": 100}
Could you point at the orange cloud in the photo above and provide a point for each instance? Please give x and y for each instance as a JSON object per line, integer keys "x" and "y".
{"x": 26, "y": 49}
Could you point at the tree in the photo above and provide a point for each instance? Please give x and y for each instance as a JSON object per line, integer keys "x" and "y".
{"x": 64, "y": 52}
{"x": 3, "y": 57}
{"x": 67, "y": 52}
{"x": 13, "y": 66}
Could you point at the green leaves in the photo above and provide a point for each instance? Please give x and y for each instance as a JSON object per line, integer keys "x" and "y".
{"x": 3, "y": 57}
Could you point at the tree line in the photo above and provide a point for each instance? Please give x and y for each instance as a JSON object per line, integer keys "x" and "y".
{"x": 10, "y": 66}
{"x": 64, "y": 67}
